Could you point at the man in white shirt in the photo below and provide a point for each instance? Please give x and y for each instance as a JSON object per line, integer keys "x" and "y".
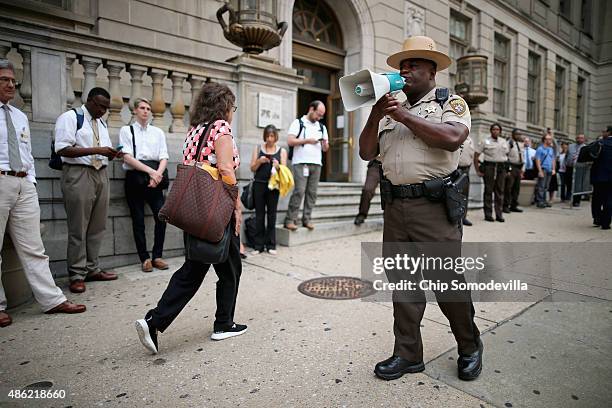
{"x": 308, "y": 137}
{"x": 85, "y": 154}
{"x": 142, "y": 180}
{"x": 19, "y": 210}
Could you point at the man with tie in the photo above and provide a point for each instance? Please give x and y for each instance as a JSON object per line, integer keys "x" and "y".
{"x": 513, "y": 178}
{"x": 85, "y": 154}
{"x": 19, "y": 210}
{"x": 530, "y": 172}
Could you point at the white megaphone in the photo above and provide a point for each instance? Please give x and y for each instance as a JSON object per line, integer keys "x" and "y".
{"x": 365, "y": 88}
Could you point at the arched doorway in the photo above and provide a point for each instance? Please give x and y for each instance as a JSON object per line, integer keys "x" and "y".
{"x": 318, "y": 55}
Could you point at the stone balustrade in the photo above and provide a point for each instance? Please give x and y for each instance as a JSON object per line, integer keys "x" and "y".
{"x": 184, "y": 86}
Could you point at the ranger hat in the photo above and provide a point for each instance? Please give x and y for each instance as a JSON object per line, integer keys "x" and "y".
{"x": 420, "y": 47}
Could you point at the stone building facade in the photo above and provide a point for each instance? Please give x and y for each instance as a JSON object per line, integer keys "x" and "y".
{"x": 549, "y": 65}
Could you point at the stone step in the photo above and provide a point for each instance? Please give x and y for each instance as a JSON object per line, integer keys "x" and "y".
{"x": 325, "y": 231}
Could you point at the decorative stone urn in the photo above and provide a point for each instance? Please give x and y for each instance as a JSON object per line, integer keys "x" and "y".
{"x": 252, "y": 25}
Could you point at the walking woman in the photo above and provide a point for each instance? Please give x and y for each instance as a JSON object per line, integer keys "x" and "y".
{"x": 214, "y": 106}
{"x": 142, "y": 180}
{"x": 265, "y": 158}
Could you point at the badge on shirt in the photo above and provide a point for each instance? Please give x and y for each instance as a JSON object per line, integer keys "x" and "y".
{"x": 430, "y": 109}
{"x": 25, "y": 136}
{"x": 458, "y": 106}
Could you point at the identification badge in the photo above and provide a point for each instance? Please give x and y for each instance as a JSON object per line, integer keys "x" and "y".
{"x": 305, "y": 171}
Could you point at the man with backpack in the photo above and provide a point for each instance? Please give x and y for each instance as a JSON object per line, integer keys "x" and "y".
{"x": 307, "y": 139}
{"x": 82, "y": 141}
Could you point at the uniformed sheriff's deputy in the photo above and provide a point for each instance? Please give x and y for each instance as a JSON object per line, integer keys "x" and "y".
{"x": 495, "y": 150}
{"x": 419, "y": 141}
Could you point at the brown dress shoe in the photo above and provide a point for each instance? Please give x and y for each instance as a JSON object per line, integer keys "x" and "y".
{"x": 77, "y": 286}
{"x": 101, "y": 276}
{"x": 291, "y": 226}
{"x": 67, "y": 307}
{"x": 160, "y": 263}
{"x": 5, "y": 319}
{"x": 147, "y": 266}
{"x": 309, "y": 225}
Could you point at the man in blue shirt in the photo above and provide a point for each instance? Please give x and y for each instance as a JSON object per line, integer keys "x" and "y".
{"x": 545, "y": 163}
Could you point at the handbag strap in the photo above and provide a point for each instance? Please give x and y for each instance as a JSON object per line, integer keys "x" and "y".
{"x": 200, "y": 144}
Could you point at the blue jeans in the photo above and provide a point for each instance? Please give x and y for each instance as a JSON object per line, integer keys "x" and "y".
{"x": 542, "y": 187}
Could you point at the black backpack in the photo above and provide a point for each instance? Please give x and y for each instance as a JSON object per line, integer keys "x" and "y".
{"x": 589, "y": 153}
{"x": 290, "y": 153}
{"x": 55, "y": 162}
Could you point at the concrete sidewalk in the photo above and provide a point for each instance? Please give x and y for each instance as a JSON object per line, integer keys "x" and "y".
{"x": 301, "y": 351}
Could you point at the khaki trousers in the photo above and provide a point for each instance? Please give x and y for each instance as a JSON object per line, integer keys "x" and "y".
{"x": 86, "y": 198}
{"x": 420, "y": 220}
{"x": 304, "y": 186}
{"x": 20, "y": 216}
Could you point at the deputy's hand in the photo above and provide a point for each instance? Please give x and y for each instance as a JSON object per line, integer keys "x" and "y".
{"x": 378, "y": 109}
{"x": 392, "y": 107}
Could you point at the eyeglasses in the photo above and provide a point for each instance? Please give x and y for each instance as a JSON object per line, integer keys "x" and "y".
{"x": 234, "y": 108}
{"x": 13, "y": 81}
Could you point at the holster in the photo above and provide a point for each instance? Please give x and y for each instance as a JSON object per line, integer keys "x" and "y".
{"x": 455, "y": 200}
{"x": 386, "y": 195}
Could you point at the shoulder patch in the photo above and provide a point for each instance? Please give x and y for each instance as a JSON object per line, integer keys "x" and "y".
{"x": 458, "y": 106}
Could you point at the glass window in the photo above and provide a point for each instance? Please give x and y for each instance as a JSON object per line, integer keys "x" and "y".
{"x": 580, "y": 100}
{"x": 565, "y": 8}
{"x": 585, "y": 16}
{"x": 314, "y": 22}
{"x": 560, "y": 98}
{"x": 459, "y": 29}
{"x": 533, "y": 88}
{"x": 500, "y": 75}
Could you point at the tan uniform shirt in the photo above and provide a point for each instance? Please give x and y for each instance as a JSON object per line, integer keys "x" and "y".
{"x": 405, "y": 158}
{"x": 466, "y": 153}
{"x": 493, "y": 150}
{"x": 515, "y": 154}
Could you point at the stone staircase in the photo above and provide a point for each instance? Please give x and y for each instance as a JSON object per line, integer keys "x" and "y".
{"x": 333, "y": 216}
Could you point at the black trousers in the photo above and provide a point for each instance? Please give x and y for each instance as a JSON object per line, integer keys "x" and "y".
{"x": 136, "y": 196}
{"x": 569, "y": 176}
{"x": 601, "y": 203}
{"x": 512, "y": 187}
{"x": 187, "y": 280}
{"x": 266, "y": 202}
{"x": 369, "y": 189}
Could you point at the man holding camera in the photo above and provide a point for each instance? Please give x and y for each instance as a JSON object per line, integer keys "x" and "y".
{"x": 418, "y": 142}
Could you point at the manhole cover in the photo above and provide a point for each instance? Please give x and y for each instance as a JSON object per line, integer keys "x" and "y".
{"x": 336, "y": 287}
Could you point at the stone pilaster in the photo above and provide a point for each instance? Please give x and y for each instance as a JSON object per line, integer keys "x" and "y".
{"x": 114, "y": 69}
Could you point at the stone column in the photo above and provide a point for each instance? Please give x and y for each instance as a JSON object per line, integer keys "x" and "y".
{"x": 69, "y": 90}
{"x": 5, "y": 48}
{"x": 196, "y": 82}
{"x": 178, "y": 105}
{"x": 158, "y": 106}
{"x": 25, "y": 90}
{"x": 114, "y": 69}
{"x": 136, "y": 72}
{"x": 90, "y": 65}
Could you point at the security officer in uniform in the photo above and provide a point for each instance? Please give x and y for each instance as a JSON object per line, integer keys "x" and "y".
{"x": 513, "y": 178}
{"x": 495, "y": 150}
{"x": 466, "y": 156}
{"x": 418, "y": 142}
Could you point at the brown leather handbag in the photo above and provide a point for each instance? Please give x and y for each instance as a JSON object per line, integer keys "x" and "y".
{"x": 197, "y": 203}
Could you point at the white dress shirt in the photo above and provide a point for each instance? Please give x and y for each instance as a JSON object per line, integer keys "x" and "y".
{"x": 66, "y": 135}
{"x": 22, "y": 128}
{"x": 150, "y": 143}
{"x": 308, "y": 153}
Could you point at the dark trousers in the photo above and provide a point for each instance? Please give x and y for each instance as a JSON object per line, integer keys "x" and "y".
{"x": 466, "y": 188}
{"x": 369, "y": 189}
{"x": 420, "y": 220}
{"x": 187, "y": 280}
{"x": 494, "y": 179}
{"x": 266, "y": 202}
{"x": 601, "y": 203}
{"x": 136, "y": 196}
{"x": 512, "y": 187}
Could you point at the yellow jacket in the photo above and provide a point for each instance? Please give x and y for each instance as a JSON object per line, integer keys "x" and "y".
{"x": 281, "y": 180}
